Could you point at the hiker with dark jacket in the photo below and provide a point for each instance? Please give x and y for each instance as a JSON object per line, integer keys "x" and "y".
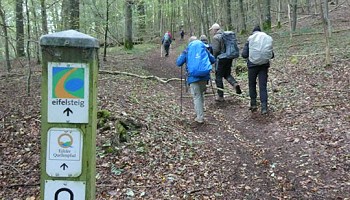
{"x": 196, "y": 53}
{"x": 182, "y": 34}
{"x": 204, "y": 39}
{"x": 166, "y": 41}
{"x": 223, "y": 66}
{"x": 255, "y": 71}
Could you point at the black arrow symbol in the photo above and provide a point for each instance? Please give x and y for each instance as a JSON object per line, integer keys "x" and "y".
{"x": 64, "y": 166}
{"x": 68, "y": 110}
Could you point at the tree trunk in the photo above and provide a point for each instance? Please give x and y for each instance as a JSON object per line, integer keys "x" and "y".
{"x": 325, "y": 21}
{"x": 279, "y": 10}
{"x": 29, "y": 78}
{"x": 36, "y": 31}
{"x": 260, "y": 13}
{"x": 75, "y": 13}
{"x": 19, "y": 28}
{"x": 294, "y": 22}
{"x": 267, "y": 15}
{"x": 290, "y": 21}
{"x": 43, "y": 17}
{"x": 308, "y": 5}
{"x": 70, "y": 14}
{"x": 4, "y": 28}
{"x": 242, "y": 18}
{"x": 128, "y": 25}
{"x": 106, "y": 32}
{"x": 315, "y": 6}
{"x": 228, "y": 15}
{"x": 142, "y": 20}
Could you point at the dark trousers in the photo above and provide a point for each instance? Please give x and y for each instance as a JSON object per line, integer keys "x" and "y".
{"x": 260, "y": 72}
{"x": 223, "y": 70}
{"x": 166, "y": 48}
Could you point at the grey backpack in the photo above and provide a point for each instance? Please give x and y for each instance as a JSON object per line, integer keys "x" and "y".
{"x": 231, "y": 47}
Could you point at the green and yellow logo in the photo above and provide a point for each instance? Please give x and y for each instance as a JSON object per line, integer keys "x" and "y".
{"x": 68, "y": 82}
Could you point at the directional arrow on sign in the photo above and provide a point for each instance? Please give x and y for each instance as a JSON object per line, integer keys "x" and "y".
{"x": 64, "y": 166}
{"x": 68, "y": 110}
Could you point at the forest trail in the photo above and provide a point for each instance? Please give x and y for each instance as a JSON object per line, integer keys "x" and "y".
{"x": 236, "y": 140}
{"x": 300, "y": 150}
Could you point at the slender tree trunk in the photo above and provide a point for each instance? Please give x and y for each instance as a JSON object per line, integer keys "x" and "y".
{"x": 267, "y": 15}
{"x": 315, "y": 6}
{"x": 279, "y": 10}
{"x": 19, "y": 28}
{"x": 4, "y": 28}
{"x": 142, "y": 20}
{"x": 290, "y": 21}
{"x": 36, "y": 32}
{"x": 206, "y": 14}
{"x": 128, "y": 25}
{"x": 160, "y": 26}
{"x": 228, "y": 14}
{"x": 260, "y": 13}
{"x": 106, "y": 32}
{"x": 28, "y": 49}
{"x": 294, "y": 22}
{"x": 308, "y": 5}
{"x": 325, "y": 21}
{"x": 242, "y": 17}
{"x": 43, "y": 17}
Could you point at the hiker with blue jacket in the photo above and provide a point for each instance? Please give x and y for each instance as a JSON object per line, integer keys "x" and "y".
{"x": 223, "y": 66}
{"x": 258, "y": 52}
{"x": 198, "y": 66}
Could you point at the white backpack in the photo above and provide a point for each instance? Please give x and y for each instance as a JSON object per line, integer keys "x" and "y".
{"x": 260, "y": 48}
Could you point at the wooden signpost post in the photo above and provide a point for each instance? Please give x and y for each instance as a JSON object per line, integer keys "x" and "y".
{"x": 68, "y": 116}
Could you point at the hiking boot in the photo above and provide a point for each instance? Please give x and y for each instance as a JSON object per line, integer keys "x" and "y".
{"x": 263, "y": 108}
{"x": 199, "y": 121}
{"x": 238, "y": 89}
{"x": 253, "y": 108}
{"x": 220, "y": 99}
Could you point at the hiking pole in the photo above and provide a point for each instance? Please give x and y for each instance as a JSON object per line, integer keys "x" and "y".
{"x": 212, "y": 88}
{"x": 161, "y": 50}
{"x": 181, "y": 92}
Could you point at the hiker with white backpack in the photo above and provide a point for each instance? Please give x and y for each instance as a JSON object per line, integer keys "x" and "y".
{"x": 258, "y": 52}
{"x": 198, "y": 62}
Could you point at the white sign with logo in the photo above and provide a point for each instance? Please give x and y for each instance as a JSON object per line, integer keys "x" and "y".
{"x": 64, "y": 152}
{"x": 64, "y": 190}
{"x": 68, "y": 93}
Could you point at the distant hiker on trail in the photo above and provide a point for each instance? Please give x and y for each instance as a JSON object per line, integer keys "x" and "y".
{"x": 258, "y": 50}
{"x": 182, "y": 34}
{"x": 166, "y": 41}
{"x": 198, "y": 66}
{"x": 204, "y": 39}
{"x": 223, "y": 65}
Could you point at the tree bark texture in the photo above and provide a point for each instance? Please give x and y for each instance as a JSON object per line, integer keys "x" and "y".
{"x": 128, "y": 44}
{"x": 19, "y": 28}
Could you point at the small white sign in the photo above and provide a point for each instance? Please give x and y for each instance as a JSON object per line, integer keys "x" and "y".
{"x": 64, "y": 152}
{"x": 64, "y": 190}
{"x": 68, "y": 93}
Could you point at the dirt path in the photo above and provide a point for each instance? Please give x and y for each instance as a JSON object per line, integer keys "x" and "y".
{"x": 233, "y": 138}
{"x": 253, "y": 156}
